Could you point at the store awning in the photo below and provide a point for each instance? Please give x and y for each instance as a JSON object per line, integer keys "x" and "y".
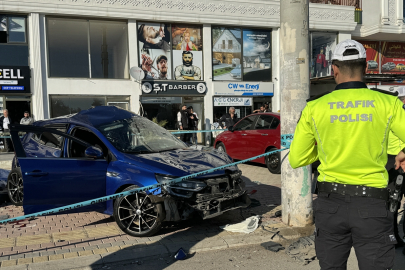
{"x": 369, "y": 78}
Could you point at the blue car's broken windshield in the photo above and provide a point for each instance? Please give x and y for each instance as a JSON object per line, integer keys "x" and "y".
{"x": 139, "y": 135}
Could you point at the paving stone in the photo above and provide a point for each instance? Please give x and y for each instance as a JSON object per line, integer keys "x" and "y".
{"x": 119, "y": 243}
{"x": 8, "y": 263}
{"x": 113, "y": 249}
{"x": 56, "y": 257}
{"x": 86, "y": 253}
{"x": 62, "y": 251}
{"x": 105, "y": 245}
{"x": 47, "y": 253}
{"x": 31, "y": 255}
{"x": 77, "y": 249}
{"x": 17, "y": 256}
{"x": 70, "y": 255}
{"x": 24, "y": 261}
{"x": 40, "y": 259}
{"x": 100, "y": 251}
{"x": 4, "y": 258}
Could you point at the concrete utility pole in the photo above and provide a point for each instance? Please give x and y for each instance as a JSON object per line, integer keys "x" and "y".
{"x": 296, "y": 194}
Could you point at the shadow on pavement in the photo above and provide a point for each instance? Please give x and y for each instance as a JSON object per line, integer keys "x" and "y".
{"x": 195, "y": 234}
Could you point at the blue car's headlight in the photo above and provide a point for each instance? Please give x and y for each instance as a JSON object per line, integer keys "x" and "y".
{"x": 190, "y": 185}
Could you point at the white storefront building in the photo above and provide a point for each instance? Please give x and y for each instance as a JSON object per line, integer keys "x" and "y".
{"x": 80, "y": 52}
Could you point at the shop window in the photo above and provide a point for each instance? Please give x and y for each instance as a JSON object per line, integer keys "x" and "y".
{"x": 65, "y": 105}
{"x": 108, "y": 48}
{"x": 87, "y": 49}
{"x": 13, "y": 41}
{"x": 322, "y": 47}
{"x": 229, "y": 64}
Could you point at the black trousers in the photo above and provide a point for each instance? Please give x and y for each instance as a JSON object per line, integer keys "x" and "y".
{"x": 343, "y": 222}
{"x": 185, "y": 137}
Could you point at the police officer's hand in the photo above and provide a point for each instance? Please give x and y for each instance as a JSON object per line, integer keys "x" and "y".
{"x": 400, "y": 161}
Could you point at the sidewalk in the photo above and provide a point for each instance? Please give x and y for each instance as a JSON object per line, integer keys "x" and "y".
{"x": 74, "y": 240}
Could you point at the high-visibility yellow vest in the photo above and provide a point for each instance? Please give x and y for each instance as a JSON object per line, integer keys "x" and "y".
{"x": 350, "y": 126}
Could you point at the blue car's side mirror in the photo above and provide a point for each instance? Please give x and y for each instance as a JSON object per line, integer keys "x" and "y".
{"x": 93, "y": 152}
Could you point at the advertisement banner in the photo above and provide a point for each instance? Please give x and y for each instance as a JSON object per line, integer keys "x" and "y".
{"x": 186, "y": 37}
{"x": 188, "y": 65}
{"x": 373, "y": 57}
{"x": 161, "y": 100}
{"x": 393, "y": 59}
{"x": 256, "y": 55}
{"x": 243, "y": 89}
{"x": 154, "y": 50}
{"x": 227, "y": 53}
{"x": 232, "y": 101}
{"x": 14, "y": 79}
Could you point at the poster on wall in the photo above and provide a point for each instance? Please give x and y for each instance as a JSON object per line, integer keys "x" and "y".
{"x": 187, "y": 65}
{"x": 323, "y": 45}
{"x": 227, "y": 54}
{"x": 393, "y": 59}
{"x": 154, "y": 50}
{"x": 373, "y": 58}
{"x": 187, "y": 52}
{"x": 256, "y": 55}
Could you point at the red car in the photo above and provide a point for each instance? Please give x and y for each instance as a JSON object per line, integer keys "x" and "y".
{"x": 253, "y": 135}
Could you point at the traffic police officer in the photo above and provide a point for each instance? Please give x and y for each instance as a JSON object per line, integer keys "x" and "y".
{"x": 347, "y": 130}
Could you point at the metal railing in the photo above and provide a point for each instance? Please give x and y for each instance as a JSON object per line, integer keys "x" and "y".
{"x": 351, "y": 3}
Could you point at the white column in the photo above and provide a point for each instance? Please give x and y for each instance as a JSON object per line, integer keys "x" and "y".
{"x": 275, "y": 65}
{"x": 400, "y": 12}
{"x": 384, "y": 12}
{"x": 343, "y": 36}
{"x": 35, "y": 65}
{"x": 208, "y": 103}
{"x": 133, "y": 61}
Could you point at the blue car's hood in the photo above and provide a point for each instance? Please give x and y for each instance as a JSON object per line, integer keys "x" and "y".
{"x": 182, "y": 162}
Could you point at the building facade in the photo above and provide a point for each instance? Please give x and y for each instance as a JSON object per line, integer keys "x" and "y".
{"x": 61, "y": 56}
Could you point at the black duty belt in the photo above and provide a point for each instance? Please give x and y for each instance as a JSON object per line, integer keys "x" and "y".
{"x": 352, "y": 190}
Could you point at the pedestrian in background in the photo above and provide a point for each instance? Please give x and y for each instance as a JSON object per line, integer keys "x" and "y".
{"x": 26, "y": 120}
{"x": 266, "y": 107}
{"x": 183, "y": 122}
{"x": 5, "y": 122}
{"x": 230, "y": 119}
{"x": 193, "y": 119}
{"x": 259, "y": 110}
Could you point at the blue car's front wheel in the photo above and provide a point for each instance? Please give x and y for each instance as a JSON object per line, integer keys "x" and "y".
{"x": 138, "y": 215}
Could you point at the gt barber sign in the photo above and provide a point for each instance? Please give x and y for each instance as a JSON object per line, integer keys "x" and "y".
{"x": 14, "y": 79}
{"x": 173, "y": 88}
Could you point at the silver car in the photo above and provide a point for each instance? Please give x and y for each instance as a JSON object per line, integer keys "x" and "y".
{"x": 388, "y": 66}
{"x": 215, "y": 61}
{"x": 372, "y": 64}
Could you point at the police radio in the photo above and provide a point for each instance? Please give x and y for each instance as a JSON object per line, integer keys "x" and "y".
{"x": 396, "y": 195}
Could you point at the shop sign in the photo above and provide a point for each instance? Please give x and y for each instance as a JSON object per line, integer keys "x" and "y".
{"x": 243, "y": 88}
{"x": 161, "y": 100}
{"x": 232, "y": 101}
{"x": 173, "y": 88}
{"x": 14, "y": 79}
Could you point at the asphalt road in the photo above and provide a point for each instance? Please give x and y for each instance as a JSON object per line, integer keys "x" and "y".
{"x": 249, "y": 257}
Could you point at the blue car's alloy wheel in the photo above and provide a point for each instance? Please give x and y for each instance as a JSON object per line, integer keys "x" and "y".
{"x": 15, "y": 187}
{"x": 137, "y": 214}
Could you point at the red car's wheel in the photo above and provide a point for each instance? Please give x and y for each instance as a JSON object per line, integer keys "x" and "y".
{"x": 273, "y": 162}
{"x": 220, "y": 147}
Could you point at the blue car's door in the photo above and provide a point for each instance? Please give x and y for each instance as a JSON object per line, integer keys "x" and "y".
{"x": 51, "y": 182}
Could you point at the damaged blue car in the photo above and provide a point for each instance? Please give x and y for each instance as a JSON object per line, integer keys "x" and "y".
{"x": 106, "y": 150}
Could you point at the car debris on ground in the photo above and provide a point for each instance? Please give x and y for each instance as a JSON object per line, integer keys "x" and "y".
{"x": 247, "y": 226}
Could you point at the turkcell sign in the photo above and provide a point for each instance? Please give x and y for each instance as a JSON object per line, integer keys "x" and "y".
{"x": 15, "y": 78}
{"x": 244, "y": 88}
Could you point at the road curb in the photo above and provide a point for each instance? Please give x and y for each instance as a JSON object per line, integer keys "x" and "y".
{"x": 161, "y": 248}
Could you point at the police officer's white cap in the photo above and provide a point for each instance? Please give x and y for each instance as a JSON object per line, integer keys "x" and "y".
{"x": 401, "y": 91}
{"x": 347, "y": 45}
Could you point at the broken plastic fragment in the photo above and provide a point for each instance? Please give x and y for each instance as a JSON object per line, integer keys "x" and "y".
{"x": 180, "y": 254}
{"x": 247, "y": 226}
